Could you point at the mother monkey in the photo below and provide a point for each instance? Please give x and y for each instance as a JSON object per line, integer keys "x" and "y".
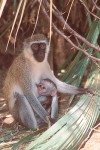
{"x": 20, "y": 89}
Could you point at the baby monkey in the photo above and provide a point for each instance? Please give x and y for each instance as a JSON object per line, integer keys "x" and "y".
{"x": 47, "y": 88}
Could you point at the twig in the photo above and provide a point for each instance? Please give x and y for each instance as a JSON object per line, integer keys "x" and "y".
{"x": 94, "y": 59}
{"x": 50, "y": 21}
{"x": 91, "y": 130}
{"x": 96, "y": 130}
{"x": 22, "y": 13}
{"x": 89, "y": 10}
{"x": 2, "y": 5}
{"x": 68, "y": 2}
{"x": 18, "y": 9}
{"x": 96, "y": 5}
{"x": 57, "y": 14}
{"x": 7, "y": 143}
{"x": 68, "y": 13}
{"x": 40, "y": 2}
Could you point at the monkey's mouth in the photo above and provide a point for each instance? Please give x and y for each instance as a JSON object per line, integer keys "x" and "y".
{"x": 40, "y": 91}
{"x": 40, "y": 56}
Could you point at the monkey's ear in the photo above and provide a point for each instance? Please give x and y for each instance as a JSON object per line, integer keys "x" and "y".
{"x": 53, "y": 92}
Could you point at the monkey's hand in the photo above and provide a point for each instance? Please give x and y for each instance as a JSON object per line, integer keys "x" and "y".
{"x": 48, "y": 121}
{"x": 90, "y": 91}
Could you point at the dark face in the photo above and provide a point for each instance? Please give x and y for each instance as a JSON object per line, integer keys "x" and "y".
{"x": 39, "y": 50}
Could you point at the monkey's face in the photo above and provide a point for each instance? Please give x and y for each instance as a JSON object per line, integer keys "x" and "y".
{"x": 36, "y": 48}
{"x": 46, "y": 88}
{"x": 39, "y": 50}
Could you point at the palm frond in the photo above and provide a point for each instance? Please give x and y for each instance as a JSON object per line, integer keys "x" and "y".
{"x": 72, "y": 128}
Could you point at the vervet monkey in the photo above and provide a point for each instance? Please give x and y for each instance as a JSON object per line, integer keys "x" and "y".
{"x": 47, "y": 88}
{"x": 27, "y": 70}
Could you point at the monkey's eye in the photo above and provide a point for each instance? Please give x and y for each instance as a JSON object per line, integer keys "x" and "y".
{"x": 40, "y": 85}
{"x": 34, "y": 46}
{"x": 43, "y": 87}
{"x": 43, "y": 46}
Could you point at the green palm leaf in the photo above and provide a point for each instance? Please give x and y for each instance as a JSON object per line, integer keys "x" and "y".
{"x": 72, "y": 128}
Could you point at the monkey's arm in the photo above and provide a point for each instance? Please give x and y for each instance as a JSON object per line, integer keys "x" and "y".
{"x": 54, "y": 107}
{"x": 36, "y": 106}
{"x": 67, "y": 88}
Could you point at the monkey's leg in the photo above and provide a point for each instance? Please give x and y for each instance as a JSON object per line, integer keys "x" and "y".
{"x": 23, "y": 112}
{"x": 37, "y": 107}
{"x": 43, "y": 99}
{"x": 54, "y": 107}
